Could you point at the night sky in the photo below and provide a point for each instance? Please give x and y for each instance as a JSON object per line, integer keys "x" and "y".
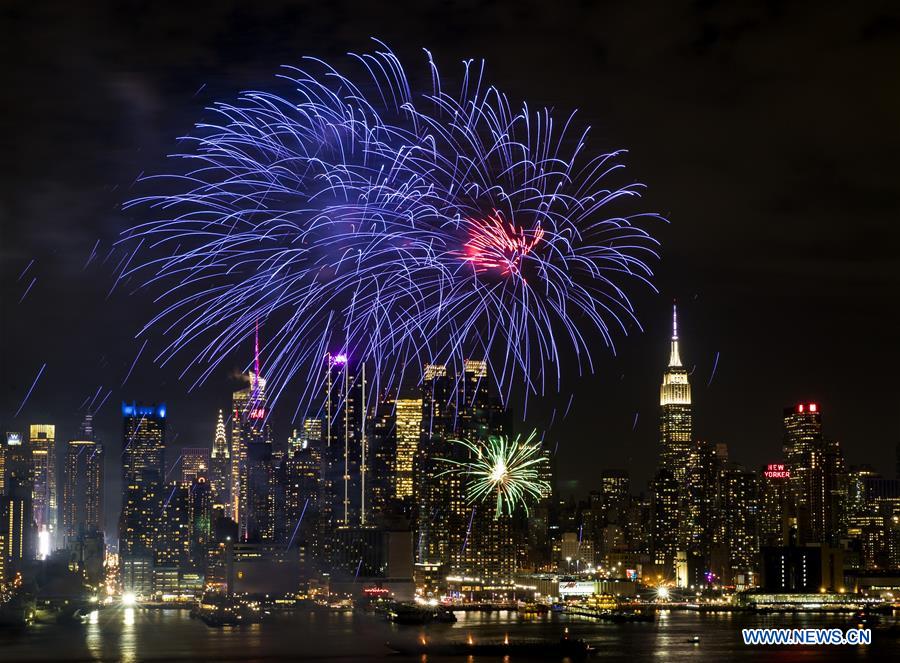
{"x": 768, "y": 135}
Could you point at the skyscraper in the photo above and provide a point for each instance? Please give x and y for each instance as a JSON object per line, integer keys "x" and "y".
{"x": 42, "y": 440}
{"x": 739, "y": 511}
{"x": 249, "y": 431}
{"x": 220, "y": 467}
{"x": 664, "y": 541}
{"x": 345, "y": 462}
{"x": 143, "y": 478}
{"x": 804, "y": 452}
{"x": 408, "y": 429}
{"x": 676, "y": 415}
{"x": 466, "y": 538}
{"x": 82, "y": 503}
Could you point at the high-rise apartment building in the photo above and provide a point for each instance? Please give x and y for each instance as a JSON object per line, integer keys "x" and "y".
{"x": 42, "y": 440}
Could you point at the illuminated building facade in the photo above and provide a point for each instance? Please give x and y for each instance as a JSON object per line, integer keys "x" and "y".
{"x": 408, "y": 430}
{"x": 143, "y": 478}
{"x": 676, "y": 413}
{"x": 195, "y": 462}
{"x": 346, "y": 442}
{"x": 220, "y": 468}
{"x": 665, "y": 496}
{"x": 818, "y": 483}
{"x": 775, "y": 507}
{"x": 395, "y": 438}
{"x": 16, "y": 507}
{"x": 300, "y": 474}
{"x": 252, "y": 496}
{"x": 42, "y": 440}
{"x": 200, "y": 514}
{"x": 740, "y": 512}
{"x": 463, "y": 537}
{"x": 82, "y": 500}
{"x": 173, "y": 543}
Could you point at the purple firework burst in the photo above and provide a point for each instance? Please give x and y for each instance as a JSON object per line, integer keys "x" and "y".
{"x": 400, "y": 228}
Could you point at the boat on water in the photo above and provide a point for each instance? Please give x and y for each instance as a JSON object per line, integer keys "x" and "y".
{"x": 414, "y": 615}
{"x": 533, "y": 609}
{"x": 218, "y": 610}
{"x": 565, "y": 647}
{"x": 18, "y": 612}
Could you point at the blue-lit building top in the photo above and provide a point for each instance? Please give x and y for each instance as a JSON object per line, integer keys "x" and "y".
{"x": 134, "y": 409}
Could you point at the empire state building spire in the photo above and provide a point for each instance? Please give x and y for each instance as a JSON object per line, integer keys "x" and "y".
{"x": 674, "y": 357}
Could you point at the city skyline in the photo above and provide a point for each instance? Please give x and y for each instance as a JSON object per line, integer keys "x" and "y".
{"x": 251, "y": 400}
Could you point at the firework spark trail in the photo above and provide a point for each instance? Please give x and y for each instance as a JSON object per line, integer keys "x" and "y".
{"x": 25, "y": 271}
{"x": 169, "y": 499}
{"x": 569, "y": 405}
{"x": 30, "y": 389}
{"x": 138, "y": 356}
{"x": 715, "y": 366}
{"x": 28, "y": 289}
{"x": 398, "y": 227}
{"x": 634, "y": 423}
{"x": 92, "y": 256}
{"x": 105, "y": 398}
{"x": 297, "y": 527}
{"x": 468, "y": 530}
{"x": 174, "y": 465}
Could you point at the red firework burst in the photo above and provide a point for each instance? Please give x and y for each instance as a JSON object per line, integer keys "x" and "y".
{"x": 496, "y": 244}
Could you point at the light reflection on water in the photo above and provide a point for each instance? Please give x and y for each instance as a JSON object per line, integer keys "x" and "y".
{"x": 134, "y": 634}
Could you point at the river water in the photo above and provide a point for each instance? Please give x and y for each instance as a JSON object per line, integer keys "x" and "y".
{"x": 136, "y": 634}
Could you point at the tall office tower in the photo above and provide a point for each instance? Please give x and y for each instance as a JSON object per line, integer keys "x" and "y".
{"x": 82, "y": 503}
{"x": 740, "y": 513}
{"x": 466, "y": 538}
{"x": 300, "y": 475}
{"x": 805, "y": 453}
{"x": 249, "y": 429}
{"x": 42, "y": 439}
{"x": 432, "y": 496}
{"x": 173, "y": 542}
{"x": 407, "y": 431}
{"x": 258, "y": 517}
{"x": 775, "y": 510}
{"x": 220, "y": 467}
{"x": 345, "y": 461}
{"x": 665, "y": 501}
{"x": 395, "y": 438}
{"x": 143, "y": 479}
{"x": 200, "y": 516}
{"x": 195, "y": 462}
{"x": 676, "y": 415}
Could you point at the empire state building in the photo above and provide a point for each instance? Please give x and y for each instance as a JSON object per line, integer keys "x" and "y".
{"x": 676, "y": 416}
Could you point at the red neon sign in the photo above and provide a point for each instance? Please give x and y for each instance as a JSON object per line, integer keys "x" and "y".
{"x": 777, "y": 471}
